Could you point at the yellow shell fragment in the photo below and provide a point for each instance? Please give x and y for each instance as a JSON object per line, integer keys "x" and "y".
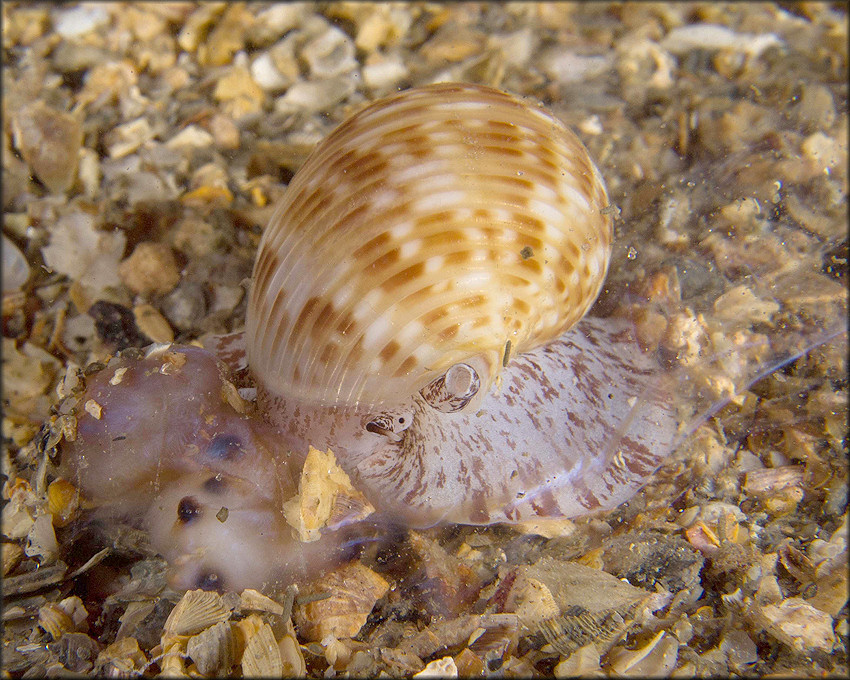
{"x": 439, "y": 668}
{"x": 121, "y": 659}
{"x": 171, "y": 660}
{"x": 655, "y": 659}
{"x": 63, "y": 499}
{"x": 262, "y": 655}
{"x": 432, "y": 227}
{"x": 12, "y": 554}
{"x": 54, "y": 620}
{"x": 94, "y": 409}
{"x": 213, "y": 649}
{"x": 66, "y": 616}
{"x": 294, "y": 664}
{"x": 354, "y": 590}
{"x": 325, "y": 498}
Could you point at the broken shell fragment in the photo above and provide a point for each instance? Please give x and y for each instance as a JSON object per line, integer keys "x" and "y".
{"x": 798, "y": 624}
{"x": 353, "y": 591}
{"x": 16, "y": 269}
{"x": 531, "y": 601}
{"x": 63, "y": 500}
{"x": 197, "y": 610}
{"x": 589, "y": 605}
{"x": 251, "y": 599}
{"x": 581, "y": 663}
{"x": 439, "y": 668}
{"x": 54, "y": 621}
{"x": 49, "y": 142}
{"x": 262, "y": 655}
{"x": 655, "y": 659}
{"x": 214, "y": 649}
{"x": 325, "y": 499}
{"x": 123, "y": 658}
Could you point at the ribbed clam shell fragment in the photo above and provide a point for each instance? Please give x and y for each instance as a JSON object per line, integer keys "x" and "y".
{"x": 445, "y": 224}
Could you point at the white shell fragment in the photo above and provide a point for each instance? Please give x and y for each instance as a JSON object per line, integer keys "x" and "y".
{"x": 439, "y": 668}
{"x": 683, "y": 39}
{"x": 436, "y": 225}
{"x": 798, "y": 624}
{"x": 16, "y": 269}
{"x": 262, "y": 655}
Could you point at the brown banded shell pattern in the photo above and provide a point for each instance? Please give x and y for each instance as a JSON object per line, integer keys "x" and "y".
{"x": 441, "y": 224}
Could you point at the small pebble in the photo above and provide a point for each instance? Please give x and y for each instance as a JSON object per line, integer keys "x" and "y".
{"x": 329, "y": 54}
{"x": 127, "y": 138}
{"x": 825, "y": 151}
{"x": 239, "y": 93}
{"x": 274, "y": 22}
{"x": 382, "y": 72}
{"x": 684, "y": 39}
{"x": 741, "y": 304}
{"x": 194, "y": 236}
{"x": 16, "y": 269}
{"x": 310, "y": 96}
{"x": 816, "y": 108}
{"x": 228, "y": 36}
{"x": 152, "y": 323}
{"x": 451, "y": 44}
{"x": 267, "y": 76}
{"x": 224, "y": 131}
{"x": 185, "y": 306}
{"x": 116, "y": 325}
{"x": 150, "y": 270}
{"x": 192, "y": 137}
{"x": 146, "y": 187}
{"x": 740, "y": 649}
{"x": 49, "y": 140}
{"x": 80, "y": 249}
{"x": 381, "y": 26}
{"x": 73, "y": 22}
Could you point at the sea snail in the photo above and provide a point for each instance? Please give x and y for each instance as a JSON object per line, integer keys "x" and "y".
{"x": 411, "y": 309}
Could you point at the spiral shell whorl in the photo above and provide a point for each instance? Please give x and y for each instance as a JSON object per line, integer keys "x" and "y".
{"x": 432, "y": 227}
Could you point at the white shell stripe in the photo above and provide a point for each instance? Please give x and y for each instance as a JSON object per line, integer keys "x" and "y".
{"x": 432, "y": 226}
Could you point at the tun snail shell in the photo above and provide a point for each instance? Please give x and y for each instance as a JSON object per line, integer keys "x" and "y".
{"x": 410, "y": 310}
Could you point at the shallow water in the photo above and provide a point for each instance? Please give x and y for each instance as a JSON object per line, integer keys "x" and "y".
{"x": 725, "y": 155}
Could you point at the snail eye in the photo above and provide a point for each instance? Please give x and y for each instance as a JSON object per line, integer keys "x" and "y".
{"x": 209, "y": 581}
{"x": 453, "y": 390}
{"x": 226, "y": 447}
{"x": 390, "y": 425}
{"x": 215, "y": 484}
{"x": 189, "y": 509}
